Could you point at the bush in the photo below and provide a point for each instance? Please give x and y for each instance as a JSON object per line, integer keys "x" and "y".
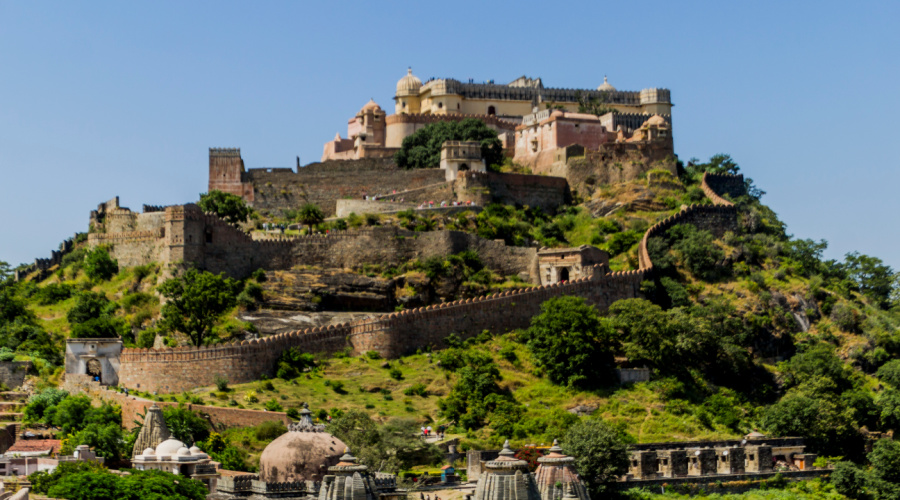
{"x": 221, "y": 382}
{"x": 273, "y": 405}
{"x": 373, "y": 355}
{"x": 395, "y": 374}
{"x": 269, "y": 430}
{"x": 228, "y": 206}
{"x": 890, "y": 373}
{"x": 292, "y": 362}
{"x": 416, "y": 390}
{"x": 98, "y": 265}
{"x": 338, "y": 386}
{"x": 53, "y": 293}
{"x": 621, "y": 242}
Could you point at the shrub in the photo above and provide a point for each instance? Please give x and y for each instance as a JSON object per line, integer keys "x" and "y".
{"x": 251, "y": 397}
{"x": 273, "y": 405}
{"x": 373, "y": 355}
{"x": 267, "y": 385}
{"x": 395, "y": 374}
{"x": 293, "y": 413}
{"x": 98, "y": 265}
{"x": 53, "y": 293}
{"x": 338, "y": 387}
{"x": 416, "y": 390}
{"x": 221, "y": 382}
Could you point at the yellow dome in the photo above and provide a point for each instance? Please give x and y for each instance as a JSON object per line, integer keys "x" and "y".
{"x": 606, "y": 87}
{"x": 409, "y": 83}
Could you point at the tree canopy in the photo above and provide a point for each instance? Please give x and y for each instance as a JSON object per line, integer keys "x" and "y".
{"x": 599, "y": 451}
{"x": 196, "y": 300}
{"x": 571, "y": 343}
{"x": 310, "y": 214}
{"x": 388, "y": 447}
{"x": 423, "y": 148}
{"x": 228, "y": 206}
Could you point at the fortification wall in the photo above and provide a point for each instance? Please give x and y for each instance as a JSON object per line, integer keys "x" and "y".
{"x": 718, "y": 218}
{"x": 42, "y": 266}
{"x": 176, "y": 370}
{"x": 392, "y": 246}
{"x": 12, "y": 373}
{"x": 133, "y": 248}
{"x": 514, "y": 189}
{"x": 324, "y": 183}
{"x": 132, "y": 406}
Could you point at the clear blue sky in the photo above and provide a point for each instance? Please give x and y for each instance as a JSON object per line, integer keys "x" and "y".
{"x": 99, "y": 99}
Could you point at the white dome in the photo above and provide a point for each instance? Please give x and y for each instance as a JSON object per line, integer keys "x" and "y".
{"x": 606, "y": 87}
{"x": 409, "y": 83}
{"x": 169, "y": 447}
{"x": 194, "y": 449}
{"x": 149, "y": 451}
{"x": 184, "y": 452}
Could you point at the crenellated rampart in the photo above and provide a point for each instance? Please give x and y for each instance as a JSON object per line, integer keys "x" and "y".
{"x": 717, "y": 218}
{"x": 180, "y": 369}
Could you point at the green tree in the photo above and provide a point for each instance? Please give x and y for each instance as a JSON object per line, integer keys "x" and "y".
{"x": 310, "y": 214}
{"x": 389, "y": 447}
{"x": 599, "y": 451}
{"x": 423, "y": 148}
{"x": 231, "y": 458}
{"x": 38, "y": 404}
{"x": 871, "y": 276}
{"x": 890, "y": 373}
{"x": 816, "y": 361}
{"x": 848, "y": 479}
{"x": 644, "y": 332}
{"x": 823, "y": 420}
{"x": 5, "y": 271}
{"x": 11, "y": 307}
{"x": 594, "y": 105}
{"x": 195, "y": 302}
{"x": 226, "y": 205}
{"x": 88, "y": 306}
{"x": 885, "y": 473}
{"x": 98, "y": 265}
{"x": 107, "y": 440}
{"x": 185, "y": 425}
{"x": 41, "y": 481}
{"x": 571, "y": 343}
{"x": 87, "y": 486}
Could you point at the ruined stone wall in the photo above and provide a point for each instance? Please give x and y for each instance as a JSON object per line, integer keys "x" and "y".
{"x": 12, "y": 373}
{"x": 132, "y": 406}
{"x": 541, "y": 191}
{"x": 323, "y": 183}
{"x": 612, "y": 163}
{"x": 133, "y": 248}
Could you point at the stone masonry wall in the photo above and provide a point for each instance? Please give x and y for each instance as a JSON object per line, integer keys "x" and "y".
{"x": 132, "y": 406}
{"x": 323, "y": 183}
{"x": 12, "y": 373}
{"x": 176, "y": 370}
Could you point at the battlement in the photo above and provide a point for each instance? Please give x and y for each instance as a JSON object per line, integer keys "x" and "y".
{"x": 420, "y": 118}
{"x": 227, "y": 152}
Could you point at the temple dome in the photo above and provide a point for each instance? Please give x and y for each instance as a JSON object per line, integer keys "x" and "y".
{"x": 409, "y": 83}
{"x": 606, "y": 87}
{"x": 169, "y": 447}
{"x": 300, "y": 456}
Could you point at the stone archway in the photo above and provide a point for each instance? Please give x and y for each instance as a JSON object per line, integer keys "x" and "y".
{"x": 491, "y": 111}
{"x": 564, "y": 274}
{"x": 95, "y": 369}
{"x": 464, "y": 167}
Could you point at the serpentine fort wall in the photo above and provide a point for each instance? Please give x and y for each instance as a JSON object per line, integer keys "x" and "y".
{"x": 180, "y": 369}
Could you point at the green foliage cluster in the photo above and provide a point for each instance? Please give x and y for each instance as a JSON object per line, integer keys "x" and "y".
{"x": 293, "y": 362}
{"x": 79, "y": 421}
{"x": 93, "y": 316}
{"x": 389, "y": 447}
{"x": 88, "y": 481}
{"x": 99, "y": 266}
{"x": 599, "y": 451}
{"x": 227, "y": 206}
{"x": 423, "y": 148}
{"x": 20, "y": 330}
{"x": 196, "y": 300}
{"x": 185, "y": 425}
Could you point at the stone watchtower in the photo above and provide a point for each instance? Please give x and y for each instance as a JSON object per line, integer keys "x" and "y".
{"x": 461, "y": 156}
{"x": 348, "y": 480}
{"x": 506, "y": 477}
{"x": 226, "y": 169}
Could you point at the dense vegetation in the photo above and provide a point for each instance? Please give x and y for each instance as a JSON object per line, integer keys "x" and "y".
{"x": 423, "y": 148}
{"x": 753, "y": 330}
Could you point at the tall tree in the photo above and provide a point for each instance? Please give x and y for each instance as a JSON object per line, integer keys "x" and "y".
{"x": 195, "y": 301}
{"x": 310, "y": 214}
{"x": 226, "y": 205}
{"x": 599, "y": 451}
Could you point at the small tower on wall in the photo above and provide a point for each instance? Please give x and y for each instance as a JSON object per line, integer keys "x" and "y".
{"x": 226, "y": 173}
{"x": 506, "y": 477}
{"x": 556, "y": 477}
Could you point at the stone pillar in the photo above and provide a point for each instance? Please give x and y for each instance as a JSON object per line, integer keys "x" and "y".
{"x": 730, "y": 460}
{"x": 672, "y": 463}
{"x": 643, "y": 464}
{"x": 759, "y": 458}
{"x": 474, "y": 463}
{"x": 702, "y": 462}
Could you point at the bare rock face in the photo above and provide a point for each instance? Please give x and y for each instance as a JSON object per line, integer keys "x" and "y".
{"x": 153, "y": 432}
{"x": 328, "y": 289}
